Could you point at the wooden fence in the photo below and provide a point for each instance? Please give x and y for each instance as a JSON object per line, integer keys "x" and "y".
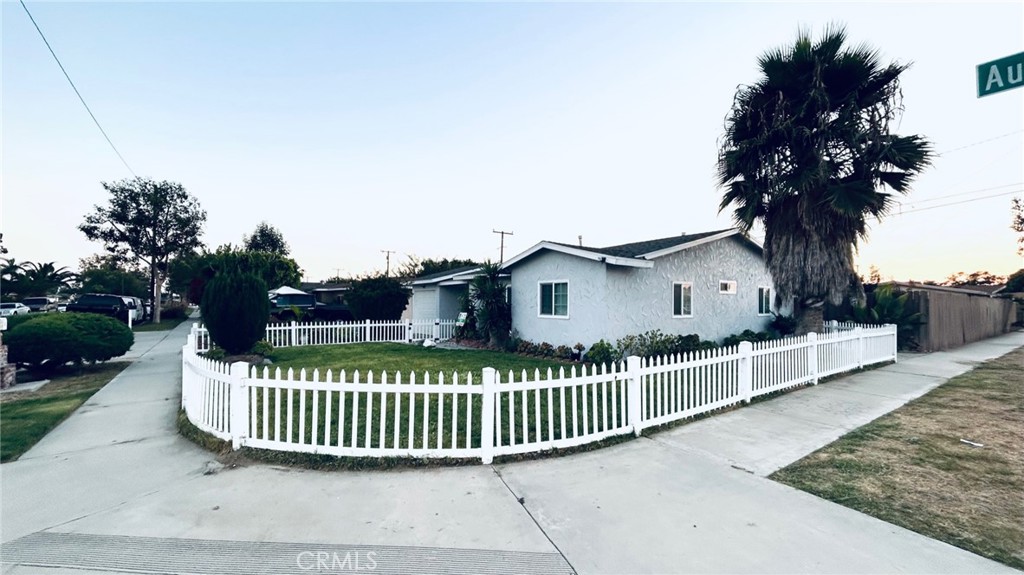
{"x": 954, "y": 319}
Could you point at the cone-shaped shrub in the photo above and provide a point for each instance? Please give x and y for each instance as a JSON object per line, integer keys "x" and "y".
{"x": 235, "y": 309}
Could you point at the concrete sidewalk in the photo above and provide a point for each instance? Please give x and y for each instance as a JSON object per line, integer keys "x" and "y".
{"x": 114, "y": 489}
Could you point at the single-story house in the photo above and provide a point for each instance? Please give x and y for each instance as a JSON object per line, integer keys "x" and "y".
{"x": 329, "y": 293}
{"x": 713, "y": 284}
{"x": 439, "y": 296}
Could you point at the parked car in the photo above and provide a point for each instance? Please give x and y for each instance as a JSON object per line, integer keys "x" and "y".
{"x": 13, "y": 308}
{"x": 102, "y": 303}
{"x": 43, "y": 304}
{"x": 135, "y": 310}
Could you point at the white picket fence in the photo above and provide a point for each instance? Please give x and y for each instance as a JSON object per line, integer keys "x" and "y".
{"x": 396, "y": 415}
{"x": 337, "y": 333}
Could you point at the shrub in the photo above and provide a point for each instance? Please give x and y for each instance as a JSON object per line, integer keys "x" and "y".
{"x": 655, "y": 343}
{"x": 783, "y": 325}
{"x": 215, "y": 353}
{"x": 55, "y": 339}
{"x": 889, "y": 305}
{"x": 747, "y": 335}
{"x": 563, "y": 352}
{"x": 262, "y": 347}
{"x": 174, "y": 310}
{"x": 236, "y": 309}
{"x": 545, "y": 349}
{"x": 16, "y": 320}
{"x": 601, "y": 352}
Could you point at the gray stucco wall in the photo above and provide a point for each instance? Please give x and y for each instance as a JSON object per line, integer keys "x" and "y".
{"x": 641, "y": 299}
{"x": 588, "y": 313}
{"x": 609, "y": 302}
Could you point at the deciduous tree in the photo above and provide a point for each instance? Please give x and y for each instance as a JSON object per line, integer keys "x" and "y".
{"x": 147, "y": 221}
{"x": 266, "y": 238}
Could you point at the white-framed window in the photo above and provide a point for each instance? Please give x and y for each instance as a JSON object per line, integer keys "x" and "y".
{"x": 727, "y": 286}
{"x": 764, "y": 300}
{"x": 682, "y": 299}
{"x": 554, "y": 299}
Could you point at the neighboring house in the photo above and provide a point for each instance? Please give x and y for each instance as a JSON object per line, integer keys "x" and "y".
{"x": 439, "y": 296}
{"x": 329, "y": 293}
{"x": 713, "y": 284}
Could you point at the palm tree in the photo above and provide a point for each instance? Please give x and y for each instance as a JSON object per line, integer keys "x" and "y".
{"x": 808, "y": 153}
{"x": 492, "y": 308}
{"x": 43, "y": 279}
{"x": 10, "y": 274}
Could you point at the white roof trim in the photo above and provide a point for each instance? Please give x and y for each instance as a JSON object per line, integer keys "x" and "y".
{"x": 452, "y": 276}
{"x": 688, "y": 245}
{"x": 578, "y": 252}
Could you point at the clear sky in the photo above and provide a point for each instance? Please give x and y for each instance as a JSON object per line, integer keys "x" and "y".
{"x": 420, "y": 128}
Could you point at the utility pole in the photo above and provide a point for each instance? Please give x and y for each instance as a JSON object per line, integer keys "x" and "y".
{"x": 387, "y": 270}
{"x": 503, "y": 234}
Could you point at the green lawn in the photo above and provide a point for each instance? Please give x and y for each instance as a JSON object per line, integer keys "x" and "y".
{"x": 393, "y": 357}
{"x": 574, "y": 406}
{"x": 911, "y": 468}
{"x": 25, "y": 417}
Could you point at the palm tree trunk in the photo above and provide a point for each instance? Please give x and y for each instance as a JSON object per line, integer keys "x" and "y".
{"x": 811, "y": 318}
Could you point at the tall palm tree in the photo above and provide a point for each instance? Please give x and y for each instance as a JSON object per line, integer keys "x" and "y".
{"x": 39, "y": 279}
{"x": 10, "y": 274}
{"x": 808, "y": 153}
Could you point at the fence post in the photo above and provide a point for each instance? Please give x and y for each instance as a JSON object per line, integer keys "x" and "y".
{"x": 487, "y": 417}
{"x": 633, "y": 383}
{"x": 895, "y": 342}
{"x": 812, "y": 357}
{"x": 366, "y": 331}
{"x": 239, "y": 407}
{"x": 186, "y": 377}
{"x": 859, "y": 333}
{"x": 293, "y": 333}
{"x": 408, "y": 331}
{"x": 746, "y": 371}
{"x": 437, "y": 329}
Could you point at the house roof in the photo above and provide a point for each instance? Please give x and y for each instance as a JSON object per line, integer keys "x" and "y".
{"x": 286, "y": 290}
{"x": 320, "y": 286}
{"x": 444, "y": 276}
{"x": 635, "y": 254}
{"x": 639, "y": 249}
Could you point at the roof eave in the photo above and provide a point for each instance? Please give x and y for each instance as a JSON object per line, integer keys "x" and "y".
{"x": 578, "y": 252}
{"x": 688, "y": 245}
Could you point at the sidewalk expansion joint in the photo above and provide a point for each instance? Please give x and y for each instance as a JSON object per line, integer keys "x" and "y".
{"x": 522, "y": 503}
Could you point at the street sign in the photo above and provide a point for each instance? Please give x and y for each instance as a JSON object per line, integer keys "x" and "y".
{"x": 1002, "y": 74}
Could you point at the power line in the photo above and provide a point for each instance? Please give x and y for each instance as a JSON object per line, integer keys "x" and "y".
{"x": 992, "y": 139}
{"x": 1010, "y": 193}
{"x": 75, "y": 88}
{"x": 961, "y": 194}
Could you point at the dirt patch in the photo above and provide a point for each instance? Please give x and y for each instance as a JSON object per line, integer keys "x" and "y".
{"x": 912, "y": 469}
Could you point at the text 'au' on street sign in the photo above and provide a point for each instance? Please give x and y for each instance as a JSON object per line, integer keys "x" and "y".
{"x": 1002, "y": 74}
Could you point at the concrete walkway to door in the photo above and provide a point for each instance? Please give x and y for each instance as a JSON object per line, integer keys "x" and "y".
{"x": 115, "y": 489}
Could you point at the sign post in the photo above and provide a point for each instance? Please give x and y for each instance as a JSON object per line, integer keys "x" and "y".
{"x": 999, "y": 75}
